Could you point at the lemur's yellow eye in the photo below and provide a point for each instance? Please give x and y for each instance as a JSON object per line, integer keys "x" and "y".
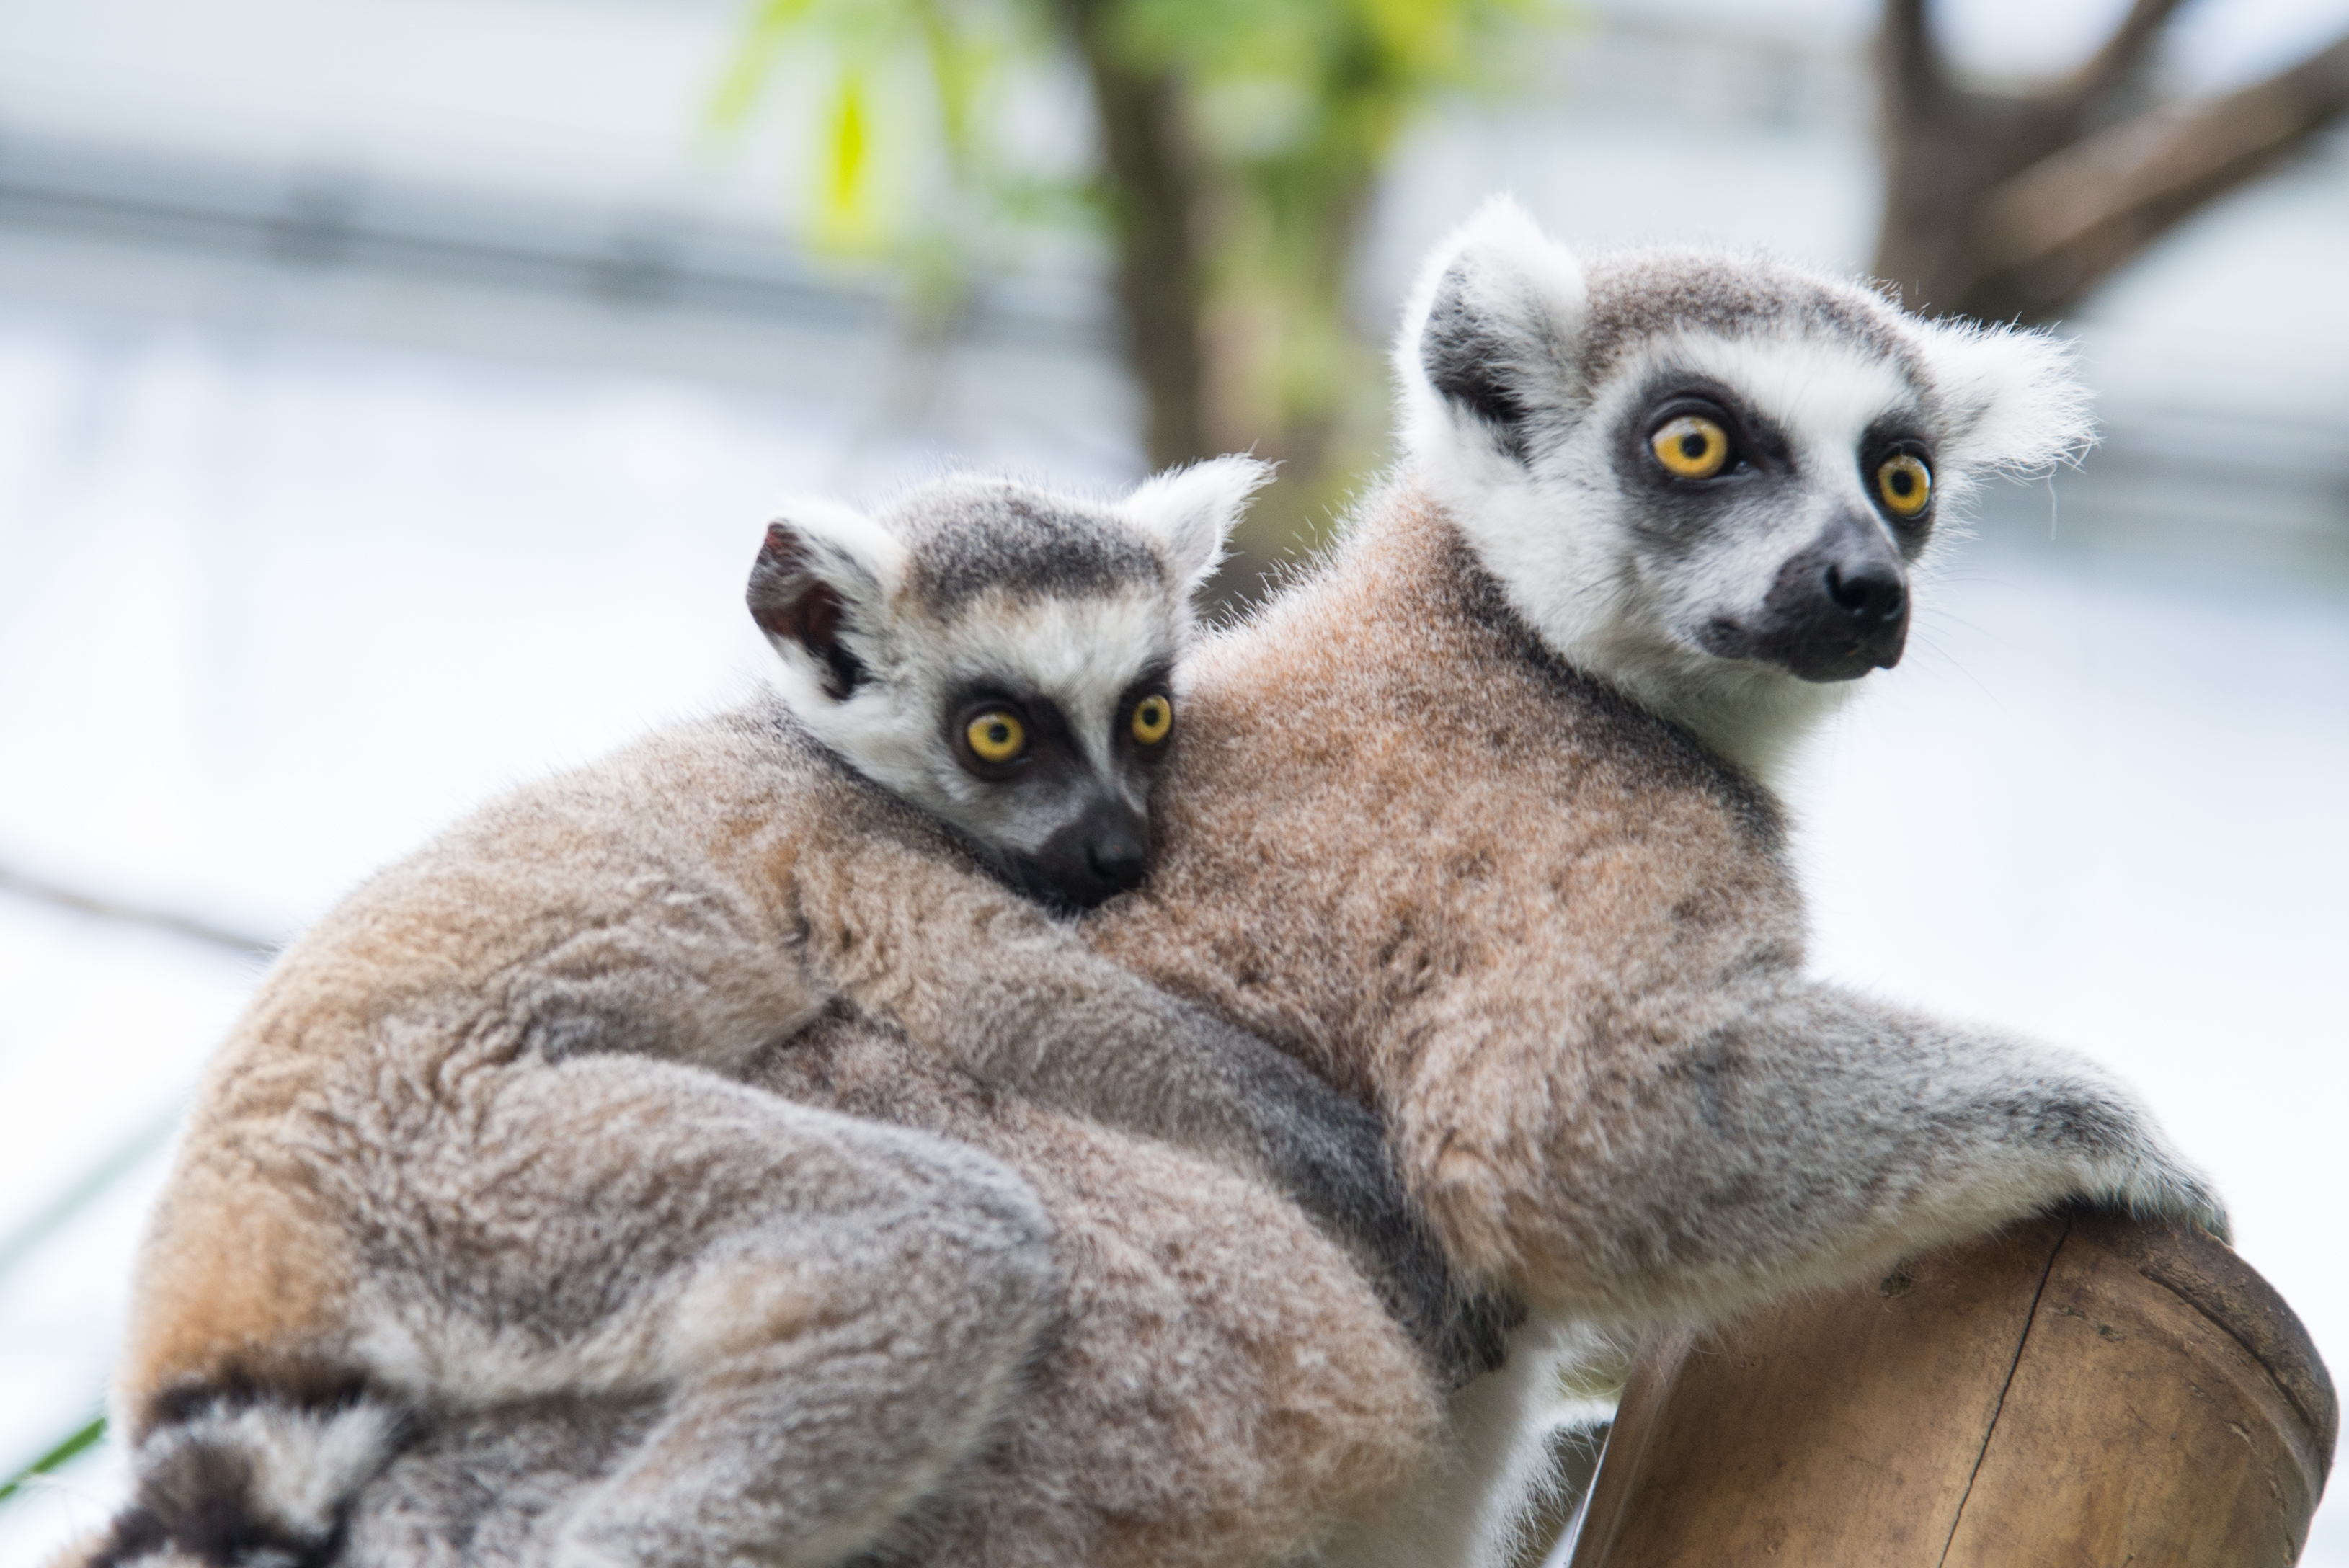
{"x": 1905, "y": 483}
{"x": 1154, "y": 718}
{"x": 996, "y": 736}
{"x": 1691, "y": 447}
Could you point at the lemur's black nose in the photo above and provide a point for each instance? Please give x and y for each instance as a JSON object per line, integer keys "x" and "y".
{"x": 1871, "y": 594}
{"x": 1837, "y": 608}
{"x": 1104, "y": 851}
{"x": 1119, "y": 857}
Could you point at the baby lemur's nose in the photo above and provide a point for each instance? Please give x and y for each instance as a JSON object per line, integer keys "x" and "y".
{"x": 1103, "y": 851}
{"x": 1119, "y": 856}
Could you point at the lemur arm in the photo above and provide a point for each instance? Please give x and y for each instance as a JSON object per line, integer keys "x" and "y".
{"x": 1709, "y": 1148}
{"x": 969, "y": 968}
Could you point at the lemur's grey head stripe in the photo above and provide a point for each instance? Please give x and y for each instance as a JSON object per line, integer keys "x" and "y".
{"x": 967, "y": 537}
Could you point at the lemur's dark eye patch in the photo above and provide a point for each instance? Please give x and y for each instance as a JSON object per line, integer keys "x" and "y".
{"x": 996, "y": 736}
{"x": 1904, "y": 483}
{"x": 1691, "y": 447}
{"x": 1153, "y": 719}
{"x": 1691, "y": 431}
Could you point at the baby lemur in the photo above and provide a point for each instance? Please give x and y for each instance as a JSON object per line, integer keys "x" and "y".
{"x": 483, "y": 1138}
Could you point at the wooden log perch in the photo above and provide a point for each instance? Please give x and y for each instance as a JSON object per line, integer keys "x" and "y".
{"x": 2079, "y": 1391}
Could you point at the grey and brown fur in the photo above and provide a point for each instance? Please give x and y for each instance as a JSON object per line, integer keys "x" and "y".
{"x": 1217, "y": 1386}
{"x": 1512, "y": 873}
{"x": 1471, "y": 821}
{"x": 483, "y": 1141}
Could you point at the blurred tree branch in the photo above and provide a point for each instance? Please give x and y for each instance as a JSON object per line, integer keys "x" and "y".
{"x": 1237, "y": 143}
{"x": 2003, "y": 205}
{"x": 81, "y": 903}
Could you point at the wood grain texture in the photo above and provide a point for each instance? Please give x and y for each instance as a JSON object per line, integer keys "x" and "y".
{"x": 2078, "y": 1391}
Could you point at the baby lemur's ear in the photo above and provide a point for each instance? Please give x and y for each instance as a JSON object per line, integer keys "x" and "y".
{"x": 820, "y": 590}
{"x": 1489, "y": 341}
{"x": 1191, "y": 511}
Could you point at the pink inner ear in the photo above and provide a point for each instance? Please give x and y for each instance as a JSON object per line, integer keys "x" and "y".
{"x": 814, "y": 616}
{"x": 805, "y": 610}
{"x": 787, "y": 599}
{"x": 784, "y": 553}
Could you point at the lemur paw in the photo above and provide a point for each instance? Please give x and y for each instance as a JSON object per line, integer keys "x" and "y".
{"x": 2133, "y": 1167}
{"x": 2168, "y": 1189}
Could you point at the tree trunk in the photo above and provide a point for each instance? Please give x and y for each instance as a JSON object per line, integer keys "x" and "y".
{"x": 1151, "y": 178}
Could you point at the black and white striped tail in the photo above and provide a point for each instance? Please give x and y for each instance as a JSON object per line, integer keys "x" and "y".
{"x": 248, "y": 1476}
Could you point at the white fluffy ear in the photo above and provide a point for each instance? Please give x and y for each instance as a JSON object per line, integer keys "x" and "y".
{"x": 1191, "y": 511}
{"x": 2015, "y": 404}
{"x": 821, "y": 591}
{"x": 1491, "y": 331}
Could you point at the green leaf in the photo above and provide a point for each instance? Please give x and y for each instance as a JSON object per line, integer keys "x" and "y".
{"x": 846, "y": 204}
{"x": 84, "y": 1438}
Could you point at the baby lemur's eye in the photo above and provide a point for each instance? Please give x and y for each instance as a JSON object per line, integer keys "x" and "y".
{"x": 996, "y": 736}
{"x": 1691, "y": 447}
{"x": 1905, "y": 483}
{"x": 1153, "y": 719}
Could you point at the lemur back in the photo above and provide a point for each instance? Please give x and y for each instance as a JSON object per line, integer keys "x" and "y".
{"x": 482, "y": 1137}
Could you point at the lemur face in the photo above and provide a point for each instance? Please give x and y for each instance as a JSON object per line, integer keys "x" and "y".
{"x": 1003, "y": 658}
{"x": 1707, "y": 478}
{"x": 1051, "y": 717}
{"x": 1771, "y": 495}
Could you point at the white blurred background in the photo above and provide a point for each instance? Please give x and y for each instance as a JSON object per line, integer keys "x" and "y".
{"x": 392, "y": 394}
